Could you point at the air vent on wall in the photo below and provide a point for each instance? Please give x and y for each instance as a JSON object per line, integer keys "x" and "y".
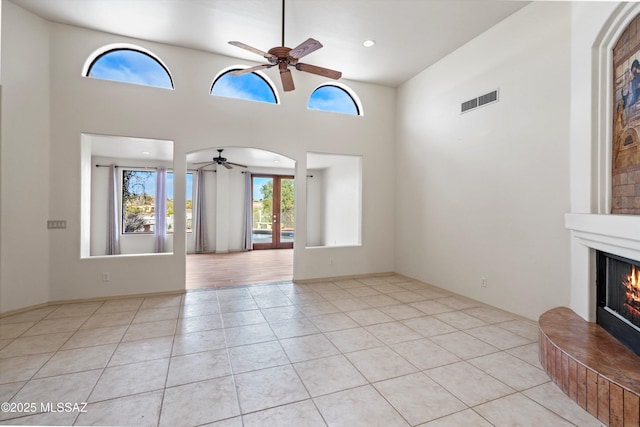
{"x": 469, "y": 105}
{"x": 485, "y": 99}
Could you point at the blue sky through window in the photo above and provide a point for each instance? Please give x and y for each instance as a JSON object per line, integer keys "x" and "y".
{"x": 258, "y": 182}
{"x": 148, "y": 184}
{"x": 246, "y": 86}
{"x": 189, "y": 195}
{"x": 130, "y": 66}
{"x": 332, "y": 98}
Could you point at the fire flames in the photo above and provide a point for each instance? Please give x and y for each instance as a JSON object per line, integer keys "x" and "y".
{"x": 632, "y": 286}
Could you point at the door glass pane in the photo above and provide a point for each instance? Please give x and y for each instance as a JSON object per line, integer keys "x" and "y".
{"x": 262, "y": 210}
{"x": 287, "y": 219}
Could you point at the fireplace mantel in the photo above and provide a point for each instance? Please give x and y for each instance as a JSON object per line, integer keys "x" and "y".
{"x": 616, "y": 234}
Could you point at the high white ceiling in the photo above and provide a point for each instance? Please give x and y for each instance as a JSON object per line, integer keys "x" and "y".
{"x": 410, "y": 35}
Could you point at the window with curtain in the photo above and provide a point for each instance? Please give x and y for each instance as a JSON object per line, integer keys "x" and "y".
{"x": 138, "y": 201}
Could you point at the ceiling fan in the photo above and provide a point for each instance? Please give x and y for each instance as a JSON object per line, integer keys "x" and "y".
{"x": 220, "y": 161}
{"x": 284, "y": 57}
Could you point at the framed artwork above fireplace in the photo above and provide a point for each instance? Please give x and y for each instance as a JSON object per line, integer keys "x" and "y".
{"x": 625, "y": 167}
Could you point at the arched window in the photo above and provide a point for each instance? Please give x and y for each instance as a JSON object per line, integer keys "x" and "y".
{"x": 331, "y": 97}
{"x": 251, "y": 86}
{"x": 130, "y": 65}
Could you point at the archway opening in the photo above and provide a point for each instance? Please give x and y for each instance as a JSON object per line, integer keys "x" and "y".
{"x": 244, "y": 201}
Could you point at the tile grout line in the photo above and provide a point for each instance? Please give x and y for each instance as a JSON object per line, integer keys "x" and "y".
{"x": 233, "y": 376}
{"x": 173, "y": 341}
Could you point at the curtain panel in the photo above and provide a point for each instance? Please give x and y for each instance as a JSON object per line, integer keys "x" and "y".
{"x": 113, "y": 231}
{"x": 200, "y": 224}
{"x": 248, "y": 214}
{"x": 161, "y": 209}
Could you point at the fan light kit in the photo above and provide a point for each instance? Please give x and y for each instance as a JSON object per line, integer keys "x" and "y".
{"x": 284, "y": 57}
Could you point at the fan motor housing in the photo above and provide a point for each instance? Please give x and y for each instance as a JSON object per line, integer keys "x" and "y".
{"x": 281, "y": 52}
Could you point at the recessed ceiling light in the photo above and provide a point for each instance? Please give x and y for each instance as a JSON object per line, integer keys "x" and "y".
{"x": 276, "y": 161}
{"x": 146, "y": 152}
{"x": 368, "y": 43}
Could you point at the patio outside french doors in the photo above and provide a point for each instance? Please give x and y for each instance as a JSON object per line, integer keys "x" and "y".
{"x": 273, "y": 211}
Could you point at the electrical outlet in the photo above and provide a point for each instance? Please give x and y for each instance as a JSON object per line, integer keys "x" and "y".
{"x": 106, "y": 277}
{"x": 483, "y": 282}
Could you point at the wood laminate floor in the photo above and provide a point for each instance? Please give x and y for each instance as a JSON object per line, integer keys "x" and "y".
{"x": 239, "y": 268}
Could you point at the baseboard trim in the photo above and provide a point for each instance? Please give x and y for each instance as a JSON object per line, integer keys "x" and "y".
{"x": 91, "y": 299}
{"x": 347, "y": 277}
{"x": 183, "y": 291}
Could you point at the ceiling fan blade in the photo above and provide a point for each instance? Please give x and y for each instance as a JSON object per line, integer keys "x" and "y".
{"x": 253, "y": 49}
{"x": 226, "y": 165}
{"x": 325, "y": 72}
{"x": 305, "y": 48}
{"x": 251, "y": 69}
{"x": 204, "y": 166}
{"x": 237, "y": 164}
{"x": 287, "y": 78}
{"x": 201, "y": 163}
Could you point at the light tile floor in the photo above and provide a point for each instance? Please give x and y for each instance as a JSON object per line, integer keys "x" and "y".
{"x": 378, "y": 351}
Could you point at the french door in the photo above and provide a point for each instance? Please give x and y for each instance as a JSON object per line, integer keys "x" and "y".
{"x": 273, "y": 211}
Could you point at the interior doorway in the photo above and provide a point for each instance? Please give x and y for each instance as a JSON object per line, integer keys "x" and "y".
{"x": 273, "y": 219}
{"x": 226, "y": 258}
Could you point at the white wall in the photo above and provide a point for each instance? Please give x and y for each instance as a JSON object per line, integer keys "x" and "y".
{"x": 483, "y": 194}
{"x": 235, "y": 202}
{"x": 191, "y": 118}
{"x": 315, "y": 211}
{"x": 342, "y": 214}
{"x": 25, "y": 165}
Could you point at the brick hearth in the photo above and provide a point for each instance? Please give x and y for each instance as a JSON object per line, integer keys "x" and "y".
{"x": 591, "y": 367}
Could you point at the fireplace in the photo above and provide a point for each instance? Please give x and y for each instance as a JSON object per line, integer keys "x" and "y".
{"x": 618, "y": 297}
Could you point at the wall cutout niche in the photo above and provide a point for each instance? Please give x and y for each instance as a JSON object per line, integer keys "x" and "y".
{"x": 127, "y": 196}
{"x": 334, "y": 200}
{"x": 625, "y": 170}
